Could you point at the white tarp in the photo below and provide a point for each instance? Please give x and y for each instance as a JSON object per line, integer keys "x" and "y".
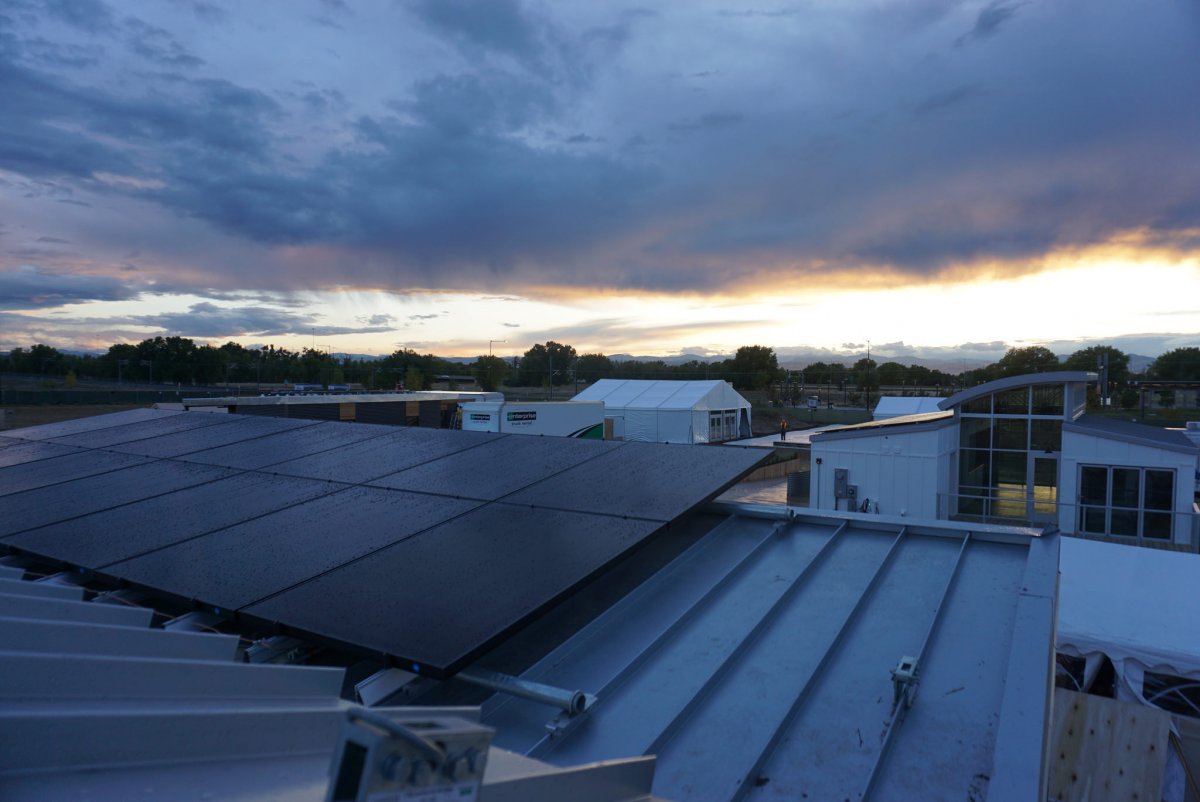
{"x": 1139, "y": 606}
{"x": 671, "y": 411}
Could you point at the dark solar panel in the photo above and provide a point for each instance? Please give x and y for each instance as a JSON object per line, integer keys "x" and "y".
{"x": 76, "y": 465}
{"x": 17, "y": 452}
{"x": 443, "y": 597}
{"x": 237, "y": 430}
{"x": 289, "y": 445}
{"x": 643, "y": 480}
{"x": 117, "y": 534}
{"x": 406, "y": 570}
{"x": 236, "y": 566}
{"x": 48, "y": 505}
{"x": 49, "y": 430}
{"x": 143, "y": 430}
{"x": 497, "y": 468}
{"x": 385, "y": 455}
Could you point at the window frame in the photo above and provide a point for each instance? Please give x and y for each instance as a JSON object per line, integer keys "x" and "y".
{"x": 1141, "y": 510}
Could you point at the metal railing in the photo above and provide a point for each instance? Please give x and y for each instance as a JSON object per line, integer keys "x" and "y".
{"x": 1014, "y": 509}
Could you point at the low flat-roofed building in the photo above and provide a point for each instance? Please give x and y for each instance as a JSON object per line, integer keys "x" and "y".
{"x": 432, "y": 408}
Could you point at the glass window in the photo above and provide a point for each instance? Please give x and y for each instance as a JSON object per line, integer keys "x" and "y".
{"x": 1156, "y": 525}
{"x": 1009, "y": 471}
{"x": 1012, "y": 433}
{"x": 1092, "y": 520}
{"x": 981, "y": 406}
{"x": 1013, "y": 402}
{"x": 1160, "y": 490}
{"x": 1048, "y": 399}
{"x": 975, "y": 433}
{"x": 973, "y": 470}
{"x": 1126, "y": 502}
{"x": 1094, "y": 486}
{"x": 1124, "y": 523}
{"x": 1125, "y": 487}
{"x": 1045, "y": 435}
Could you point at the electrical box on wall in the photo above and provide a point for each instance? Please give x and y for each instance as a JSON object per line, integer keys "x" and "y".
{"x": 841, "y": 479}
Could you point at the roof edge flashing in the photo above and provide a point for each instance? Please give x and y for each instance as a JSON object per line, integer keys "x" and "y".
{"x": 1009, "y": 382}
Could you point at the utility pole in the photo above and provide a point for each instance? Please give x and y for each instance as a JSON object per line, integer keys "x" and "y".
{"x": 491, "y": 342}
{"x": 868, "y": 375}
{"x": 1102, "y": 364}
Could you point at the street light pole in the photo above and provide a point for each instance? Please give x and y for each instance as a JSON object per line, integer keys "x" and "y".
{"x": 491, "y": 342}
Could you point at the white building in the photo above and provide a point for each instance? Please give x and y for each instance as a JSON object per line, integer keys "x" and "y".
{"x": 672, "y": 411}
{"x": 1017, "y": 450}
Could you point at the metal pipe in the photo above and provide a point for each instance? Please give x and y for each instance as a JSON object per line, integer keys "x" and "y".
{"x": 572, "y": 702}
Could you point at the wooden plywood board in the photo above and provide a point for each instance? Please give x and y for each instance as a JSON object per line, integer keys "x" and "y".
{"x": 1103, "y": 750}
{"x": 1189, "y": 741}
{"x": 346, "y": 411}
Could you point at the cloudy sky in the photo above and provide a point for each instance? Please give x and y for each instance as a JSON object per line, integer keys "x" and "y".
{"x": 435, "y": 174}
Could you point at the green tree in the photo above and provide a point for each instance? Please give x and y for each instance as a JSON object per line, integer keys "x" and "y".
{"x": 1088, "y": 359}
{"x": 1181, "y": 364}
{"x": 592, "y": 367}
{"x": 892, "y": 374}
{"x": 413, "y": 380}
{"x": 755, "y": 367}
{"x": 489, "y": 372}
{"x": 865, "y": 374}
{"x": 544, "y": 363}
{"x": 1020, "y": 361}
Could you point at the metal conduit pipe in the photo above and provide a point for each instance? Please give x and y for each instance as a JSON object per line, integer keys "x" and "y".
{"x": 572, "y": 702}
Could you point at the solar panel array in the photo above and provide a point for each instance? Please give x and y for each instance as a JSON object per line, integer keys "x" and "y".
{"x": 422, "y": 546}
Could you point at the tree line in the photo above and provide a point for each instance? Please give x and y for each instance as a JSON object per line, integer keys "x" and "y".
{"x": 179, "y": 360}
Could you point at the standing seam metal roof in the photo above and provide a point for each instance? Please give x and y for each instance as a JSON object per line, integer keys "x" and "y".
{"x": 758, "y": 664}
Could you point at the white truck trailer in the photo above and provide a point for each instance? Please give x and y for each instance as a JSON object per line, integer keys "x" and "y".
{"x": 557, "y": 418}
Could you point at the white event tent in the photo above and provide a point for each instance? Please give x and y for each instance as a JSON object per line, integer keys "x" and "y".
{"x": 671, "y": 411}
{"x": 1137, "y": 606}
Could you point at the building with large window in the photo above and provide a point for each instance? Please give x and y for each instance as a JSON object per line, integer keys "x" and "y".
{"x": 1019, "y": 450}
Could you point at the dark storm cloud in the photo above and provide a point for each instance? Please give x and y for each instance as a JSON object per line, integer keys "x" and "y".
{"x": 991, "y": 17}
{"x": 376, "y": 320}
{"x": 92, "y": 16}
{"x": 157, "y": 45}
{"x": 213, "y": 115}
{"x": 712, "y": 121}
{"x": 496, "y": 26}
{"x": 204, "y": 10}
{"x": 206, "y": 320}
{"x": 52, "y": 54}
{"x": 536, "y": 146}
{"x": 950, "y": 97}
{"x": 33, "y": 288}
